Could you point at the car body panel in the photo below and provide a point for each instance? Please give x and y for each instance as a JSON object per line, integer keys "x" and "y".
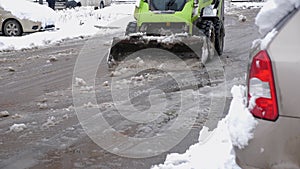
{"x": 276, "y": 144}
{"x": 286, "y": 45}
{"x": 26, "y": 24}
{"x": 95, "y": 3}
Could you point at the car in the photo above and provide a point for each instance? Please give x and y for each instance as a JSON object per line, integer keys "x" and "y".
{"x": 95, "y": 3}
{"x": 273, "y": 97}
{"x": 11, "y": 25}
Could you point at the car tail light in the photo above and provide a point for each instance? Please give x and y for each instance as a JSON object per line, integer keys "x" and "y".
{"x": 261, "y": 87}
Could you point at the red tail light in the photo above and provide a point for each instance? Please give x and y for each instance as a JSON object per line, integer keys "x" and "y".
{"x": 261, "y": 87}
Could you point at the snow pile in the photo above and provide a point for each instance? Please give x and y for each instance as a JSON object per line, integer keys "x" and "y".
{"x": 17, "y": 127}
{"x": 272, "y": 12}
{"x": 235, "y": 129}
{"x": 28, "y": 10}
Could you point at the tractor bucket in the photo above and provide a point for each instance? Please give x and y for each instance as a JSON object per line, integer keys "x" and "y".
{"x": 180, "y": 45}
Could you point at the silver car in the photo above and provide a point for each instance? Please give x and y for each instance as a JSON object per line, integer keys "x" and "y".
{"x": 273, "y": 80}
{"x": 13, "y": 26}
{"x": 95, "y": 3}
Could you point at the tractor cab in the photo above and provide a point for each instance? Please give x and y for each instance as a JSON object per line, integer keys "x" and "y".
{"x": 167, "y": 5}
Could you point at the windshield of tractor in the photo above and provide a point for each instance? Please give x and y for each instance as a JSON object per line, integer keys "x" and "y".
{"x": 165, "y": 5}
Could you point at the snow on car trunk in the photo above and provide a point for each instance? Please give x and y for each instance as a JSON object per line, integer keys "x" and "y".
{"x": 272, "y": 12}
{"x": 215, "y": 148}
{"x": 28, "y": 10}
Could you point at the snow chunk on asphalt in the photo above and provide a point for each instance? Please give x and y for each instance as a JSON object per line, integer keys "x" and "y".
{"x": 17, "y": 127}
{"x": 16, "y": 116}
{"x": 42, "y": 105}
{"x": 242, "y": 18}
{"x": 4, "y": 114}
{"x": 105, "y": 83}
{"x": 272, "y": 12}
{"x": 80, "y": 82}
{"x": 234, "y": 130}
{"x": 50, "y": 122}
{"x": 53, "y": 59}
{"x": 11, "y": 69}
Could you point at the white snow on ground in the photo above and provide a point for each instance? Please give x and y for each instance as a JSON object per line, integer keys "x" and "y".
{"x": 234, "y": 130}
{"x": 72, "y": 23}
{"x": 233, "y": 7}
{"x": 272, "y": 12}
{"x": 27, "y": 10}
{"x": 246, "y": 5}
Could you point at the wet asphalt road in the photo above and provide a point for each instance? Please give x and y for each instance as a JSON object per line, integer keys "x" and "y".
{"x": 39, "y": 94}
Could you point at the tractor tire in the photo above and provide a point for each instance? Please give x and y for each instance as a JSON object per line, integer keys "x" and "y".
{"x": 207, "y": 28}
{"x": 219, "y": 37}
{"x": 131, "y": 28}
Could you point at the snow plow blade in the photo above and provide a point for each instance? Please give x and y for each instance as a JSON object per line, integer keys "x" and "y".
{"x": 180, "y": 45}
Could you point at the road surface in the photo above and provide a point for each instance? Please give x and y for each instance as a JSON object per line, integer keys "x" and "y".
{"x": 36, "y": 89}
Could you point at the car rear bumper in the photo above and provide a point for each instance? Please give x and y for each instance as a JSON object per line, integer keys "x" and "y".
{"x": 274, "y": 145}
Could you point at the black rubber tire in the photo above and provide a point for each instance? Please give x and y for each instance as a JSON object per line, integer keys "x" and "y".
{"x": 101, "y": 5}
{"x": 12, "y": 28}
{"x": 131, "y": 28}
{"x": 219, "y": 34}
{"x": 207, "y": 28}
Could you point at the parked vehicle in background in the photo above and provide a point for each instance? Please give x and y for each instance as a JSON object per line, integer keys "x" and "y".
{"x": 96, "y": 3}
{"x": 273, "y": 92}
{"x": 248, "y": 0}
{"x": 13, "y": 26}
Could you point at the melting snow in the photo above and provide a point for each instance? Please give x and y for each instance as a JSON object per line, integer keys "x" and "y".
{"x": 234, "y": 130}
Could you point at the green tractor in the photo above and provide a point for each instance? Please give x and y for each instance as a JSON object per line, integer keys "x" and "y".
{"x": 179, "y": 26}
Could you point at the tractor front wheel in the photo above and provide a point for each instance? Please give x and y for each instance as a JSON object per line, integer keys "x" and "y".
{"x": 207, "y": 28}
{"x": 219, "y": 40}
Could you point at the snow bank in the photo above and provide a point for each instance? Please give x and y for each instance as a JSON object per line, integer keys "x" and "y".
{"x": 72, "y": 23}
{"x": 272, "y": 12}
{"x": 28, "y": 10}
{"x": 215, "y": 149}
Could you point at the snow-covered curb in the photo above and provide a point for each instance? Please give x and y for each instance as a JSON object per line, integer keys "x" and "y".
{"x": 72, "y": 23}
{"x": 215, "y": 149}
